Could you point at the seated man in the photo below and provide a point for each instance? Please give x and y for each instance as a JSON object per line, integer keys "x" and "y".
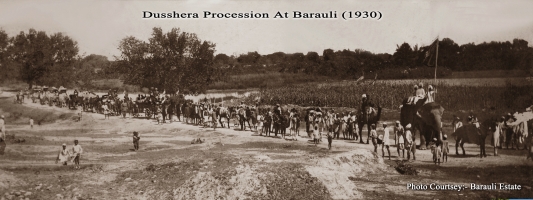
{"x": 411, "y": 100}
{"x": 420, "y": 93}
{"x": 431, "y": 94}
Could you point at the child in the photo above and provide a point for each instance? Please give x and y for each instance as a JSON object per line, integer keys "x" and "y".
{"x": 76, "y": 152}
{"x": 315, "y": 135}
{"x": 445, "y": 148}
{"x": 409, "y": 143}
{"x": 374, "y": 136}
{"x": 63, "y": 155}
{"x": 385, "y": 140}
{"x": 31, "y": 122}
{"x": 330, "y": 139}
{"x": 136, "y": 139}
{"x": 435, "y": 150}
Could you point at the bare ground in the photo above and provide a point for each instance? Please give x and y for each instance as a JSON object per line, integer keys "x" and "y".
{"x": 231, "y": 164}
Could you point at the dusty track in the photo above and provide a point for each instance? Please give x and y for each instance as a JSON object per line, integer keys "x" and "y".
{"x": 245, "y": 166}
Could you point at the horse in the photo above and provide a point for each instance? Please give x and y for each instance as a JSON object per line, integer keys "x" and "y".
{"x": 225, "y": 113}
{"x": 469, "y": 133}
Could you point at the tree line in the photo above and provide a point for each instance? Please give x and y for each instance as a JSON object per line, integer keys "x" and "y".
{"x": 416, "y": 61}
{"x": 180, "y": 61}
{"x": 171, "y": 61}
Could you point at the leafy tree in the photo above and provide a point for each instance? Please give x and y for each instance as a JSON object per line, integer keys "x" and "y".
{"x": 8, "y": 70}
{"x": 404, "y": 55}
{"x": 170, "y": 61}
{"x": 92, "y": 67}
{"x": 44, "y": 60}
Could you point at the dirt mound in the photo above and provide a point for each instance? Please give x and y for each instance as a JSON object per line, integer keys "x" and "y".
{"x": 334, "y": 172}
{"x": 9, "y": 181}
{"x": 241, "y": 183}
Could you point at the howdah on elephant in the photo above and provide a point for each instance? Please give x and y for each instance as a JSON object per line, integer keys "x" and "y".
{"x": 424, "y": 118}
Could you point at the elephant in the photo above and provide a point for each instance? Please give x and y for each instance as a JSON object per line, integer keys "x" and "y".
{"x": 367, "y": 118}
{"x": 471, "y": 134}
{"x": 424, "y": 117}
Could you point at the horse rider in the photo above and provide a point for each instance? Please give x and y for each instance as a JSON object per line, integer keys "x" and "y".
{"x": 366, "y": 103}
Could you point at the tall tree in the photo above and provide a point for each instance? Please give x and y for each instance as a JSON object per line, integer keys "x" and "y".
{"x": 8, "y": 71}
{"x": 170, "y": 61}
{"x": 404, "y": 55}
{"x": 91, "y": 67}
{"x": 44, "y": 59}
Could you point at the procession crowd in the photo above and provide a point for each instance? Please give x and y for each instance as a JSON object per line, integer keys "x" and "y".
{"x": 266, "y": 120}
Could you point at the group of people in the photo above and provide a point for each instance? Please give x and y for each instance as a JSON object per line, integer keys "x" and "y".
{"x": 73, "y": 154}
{"x": 420, "y": 93}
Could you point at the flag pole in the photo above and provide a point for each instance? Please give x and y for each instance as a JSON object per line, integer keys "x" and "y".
{"x": 436, "y": 58}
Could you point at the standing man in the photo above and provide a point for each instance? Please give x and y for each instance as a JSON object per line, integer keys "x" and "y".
{"x": 2, "y": 135}
{"x": 242, "y": 117}
{"x": 385, "y": 140}
{"x": 398, "y": 130}
{"x": 124, "y": 108}
{"x": 31, "y": 122}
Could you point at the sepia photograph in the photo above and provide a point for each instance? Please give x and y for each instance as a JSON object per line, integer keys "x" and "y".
{"x": 266, "y": 99}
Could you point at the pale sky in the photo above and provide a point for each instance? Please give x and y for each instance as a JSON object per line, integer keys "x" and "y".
{"x": 99, "y": 25}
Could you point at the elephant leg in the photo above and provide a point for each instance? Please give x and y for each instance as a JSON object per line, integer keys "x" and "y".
{"x": 423, "y": 140}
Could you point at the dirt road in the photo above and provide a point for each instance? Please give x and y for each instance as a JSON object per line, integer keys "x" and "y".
{"x": 231, "y": 164}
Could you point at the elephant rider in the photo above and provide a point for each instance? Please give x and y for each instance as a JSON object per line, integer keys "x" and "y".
{"x": 420, "y": 93}
{"x": 431, "y": 94}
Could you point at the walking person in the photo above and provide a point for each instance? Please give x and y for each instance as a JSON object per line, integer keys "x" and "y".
{"x": 124, "y": 108}
{"x": 268, "y": 124}
{"x": 76, "y": 152}
{"x": 214, "y": 117}
{"x": 385, "y": 140}
{"x": 330, "y": 139}
{"x": 136, "y": 139}
{"x": 63, "y": 155}
{"x": 2, "y": 135}
{"x": 398, "y": 129}
{"x": 106, "y": 110}
{"x": 374, "y": 136}
{"x": 315, "y": 134}
{"x": 409, "y": 142}
{"x": 445, "y": 148}
{"x": 260, "y": 120}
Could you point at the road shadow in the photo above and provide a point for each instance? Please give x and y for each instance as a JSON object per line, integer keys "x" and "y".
{"x": 462, "y": 156}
